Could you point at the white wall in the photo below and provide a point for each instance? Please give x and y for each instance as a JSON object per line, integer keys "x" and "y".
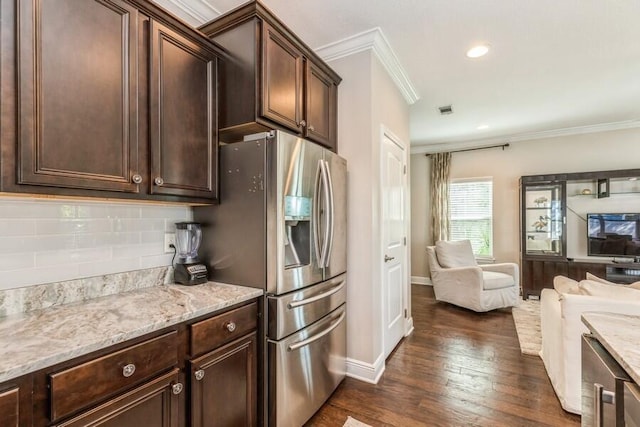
{"x": 578, "y": 153}
{"x": 367, "y": 99}
{"x": 45, "y": 241}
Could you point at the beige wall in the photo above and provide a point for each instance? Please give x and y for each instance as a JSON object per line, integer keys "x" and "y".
{"x": 577, "y": 153}
{"x": 367, "y": 99}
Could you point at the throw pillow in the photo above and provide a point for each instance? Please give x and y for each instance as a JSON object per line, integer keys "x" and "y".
{"x": 599, "y": 279}
{"x": 564, "y": 285}
{"x": 634, "y": 285}
{"x": 597, "y": 289}
{"x": 453, "y": 254}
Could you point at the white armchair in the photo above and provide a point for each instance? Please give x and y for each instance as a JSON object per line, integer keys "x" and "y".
{"x": 459, "y": 280}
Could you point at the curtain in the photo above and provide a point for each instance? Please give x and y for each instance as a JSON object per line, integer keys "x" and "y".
{"x": 440, "y": 170}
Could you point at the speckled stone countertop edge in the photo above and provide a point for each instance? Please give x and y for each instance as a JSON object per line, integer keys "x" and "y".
{"x": 33, "y": 341}
{"x": 619, "y": 334}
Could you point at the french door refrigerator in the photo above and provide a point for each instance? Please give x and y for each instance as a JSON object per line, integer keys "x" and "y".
{"x": 281, "y": 226}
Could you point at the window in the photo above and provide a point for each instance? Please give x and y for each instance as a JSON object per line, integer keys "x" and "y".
{"x": 471, "y": 210}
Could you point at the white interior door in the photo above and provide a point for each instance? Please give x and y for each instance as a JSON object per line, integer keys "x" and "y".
{"x": 394, "y": 241}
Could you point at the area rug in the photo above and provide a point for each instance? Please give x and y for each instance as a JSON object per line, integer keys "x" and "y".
{"x": 352, "y": 422}
{"x": 526, "y": 316}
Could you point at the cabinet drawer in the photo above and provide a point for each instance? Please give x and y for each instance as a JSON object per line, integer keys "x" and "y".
{"x": 90, "y": 382}
{"x": 213, "y": 332}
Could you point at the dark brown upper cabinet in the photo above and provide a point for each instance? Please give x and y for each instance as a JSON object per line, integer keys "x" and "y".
{"x": 273, "y": 79}
{"x": 183, "y": 123}
{"x": 78, "y": 97}
{"x": 107, "y": 98}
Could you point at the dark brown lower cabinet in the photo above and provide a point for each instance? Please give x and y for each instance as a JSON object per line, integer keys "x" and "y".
{"x": 223, "y": 385}
{"x": 10, "y": 407}
{"x": 155, "y": 403}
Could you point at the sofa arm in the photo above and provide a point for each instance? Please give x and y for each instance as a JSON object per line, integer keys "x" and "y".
{"x": 460, "y": 277}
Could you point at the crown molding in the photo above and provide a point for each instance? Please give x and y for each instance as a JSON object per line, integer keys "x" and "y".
{"x": 521, "y": 137}
{"x": 196, "y": 12}
{"x": 374, "y": 40}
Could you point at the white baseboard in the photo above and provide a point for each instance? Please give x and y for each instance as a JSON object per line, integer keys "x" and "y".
{"x": 408, "y": 327}
{"x": 366, "y": 372}
{"x": 419, "y": 280}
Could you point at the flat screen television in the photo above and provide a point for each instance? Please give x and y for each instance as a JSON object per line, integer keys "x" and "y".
{"x": 614, "y": 234}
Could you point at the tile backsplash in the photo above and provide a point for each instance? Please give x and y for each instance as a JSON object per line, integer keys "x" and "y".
{"x": 45, "y": 241}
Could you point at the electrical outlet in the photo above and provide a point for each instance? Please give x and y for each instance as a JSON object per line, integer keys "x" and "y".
{"x": 169, "y": 239}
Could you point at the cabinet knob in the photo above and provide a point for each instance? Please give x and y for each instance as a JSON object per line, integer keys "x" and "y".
{"x": 311, "y": 128}
{"x": 137, "y": 179}
{"x": 302, "y": 123}
{"x": 199, "y": 374}
{"x": 177, "y": 388}
{"x": 231, "y": 326}
{"x": 128, "y": 370}
{"x": 158, "y": 181}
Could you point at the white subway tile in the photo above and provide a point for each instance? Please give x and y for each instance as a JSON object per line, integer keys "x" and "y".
{"x": 155, "y": 261}
{"x": 17, "y": 227}
{"x": 20, "y": 261}
{"x": 37, "y": 276}
{"x": 72, "y": 226}
{"x": 141, "y": 250}
{"x": 37, "y": 243}
{"x": 110, "y": 267}
{"x": 46, "y": 259}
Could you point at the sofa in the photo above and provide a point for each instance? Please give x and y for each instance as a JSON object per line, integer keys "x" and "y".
{"x": 562, "y": 328}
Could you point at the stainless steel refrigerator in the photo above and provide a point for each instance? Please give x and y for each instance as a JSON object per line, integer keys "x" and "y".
{"x": 281, "y": 226}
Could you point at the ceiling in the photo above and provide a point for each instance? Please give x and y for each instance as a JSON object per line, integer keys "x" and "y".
{"x": 554, "y": 68}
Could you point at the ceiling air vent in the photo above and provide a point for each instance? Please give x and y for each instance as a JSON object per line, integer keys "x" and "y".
{"x": 445, "y": 109}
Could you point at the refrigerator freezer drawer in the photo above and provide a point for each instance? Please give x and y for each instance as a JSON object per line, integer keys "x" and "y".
{"x": 294, "y": 311}
{"x": 305, "y": 368}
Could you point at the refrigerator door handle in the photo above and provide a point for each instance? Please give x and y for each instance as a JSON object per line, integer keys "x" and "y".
{"x": 298, "y": 303}
{"x": 330, "y": 217}
{"x": 297, "y": 345}
{"x": 326, "y": 190}
{"x": 316, "y": 215}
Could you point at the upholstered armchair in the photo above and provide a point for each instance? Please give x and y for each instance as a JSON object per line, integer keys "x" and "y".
{"x": 459, "y": 280}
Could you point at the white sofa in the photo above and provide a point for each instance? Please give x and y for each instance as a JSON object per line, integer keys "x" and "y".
{"x": 561, "y": 327}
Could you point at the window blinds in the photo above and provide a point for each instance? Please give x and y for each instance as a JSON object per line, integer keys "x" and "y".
{"x": 471, "y": 210}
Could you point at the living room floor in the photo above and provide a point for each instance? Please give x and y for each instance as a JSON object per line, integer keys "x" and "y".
{"x": 458, "y": 368}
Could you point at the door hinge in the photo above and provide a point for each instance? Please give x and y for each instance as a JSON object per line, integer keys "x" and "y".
{"x": 405, "y": 313}
{"x": 405, "y": 241}
{"x": 405, "y": 169}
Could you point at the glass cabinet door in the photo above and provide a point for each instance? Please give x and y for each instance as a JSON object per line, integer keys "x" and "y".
{"x": 543, "y": 219}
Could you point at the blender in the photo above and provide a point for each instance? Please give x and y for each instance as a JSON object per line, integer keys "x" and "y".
{"x": 188, "y": 269}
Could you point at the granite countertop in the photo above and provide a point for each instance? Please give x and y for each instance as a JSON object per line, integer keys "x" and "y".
{"x": 42, "y": 338}
{"x": 620, "y": 335}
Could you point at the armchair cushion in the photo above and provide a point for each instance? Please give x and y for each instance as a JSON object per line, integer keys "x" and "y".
{"x": 453, "y": 254}
{"x": 494, "y": 280}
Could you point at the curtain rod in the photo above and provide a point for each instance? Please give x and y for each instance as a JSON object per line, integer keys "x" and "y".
{"x": 503, "y": 146}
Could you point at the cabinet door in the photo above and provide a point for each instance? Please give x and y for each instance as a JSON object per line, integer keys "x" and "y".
{"x": 224, "y": 387}
{"x": 78, "y": 94}
{"x": 183, "y": 127}
{"x": 281, "y": 80}
{"x": 320, "y": 107}
{"x": 10, "y": 407}
{"x": 155, "y": 403}
{"x": 543, "y": 220}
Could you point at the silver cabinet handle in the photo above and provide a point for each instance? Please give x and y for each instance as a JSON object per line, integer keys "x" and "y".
{"x": 597, "y": 404}
{"x": 231, "y": 326}
{"x": 199, "y": 374}
{"x": 388, "y": 258}
{"x": 128, "y": 370}
{"x": 177, "y": 388}
{"x": 158, "y": 181}
{"x": 137, "y": 179}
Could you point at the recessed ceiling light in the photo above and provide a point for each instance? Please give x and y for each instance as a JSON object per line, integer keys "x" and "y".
{"x": 478, "y": 51}
{"x": 483, "y": 127}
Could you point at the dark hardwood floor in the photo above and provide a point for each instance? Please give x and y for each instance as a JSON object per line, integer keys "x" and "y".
{"x": 458, "y": 368}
